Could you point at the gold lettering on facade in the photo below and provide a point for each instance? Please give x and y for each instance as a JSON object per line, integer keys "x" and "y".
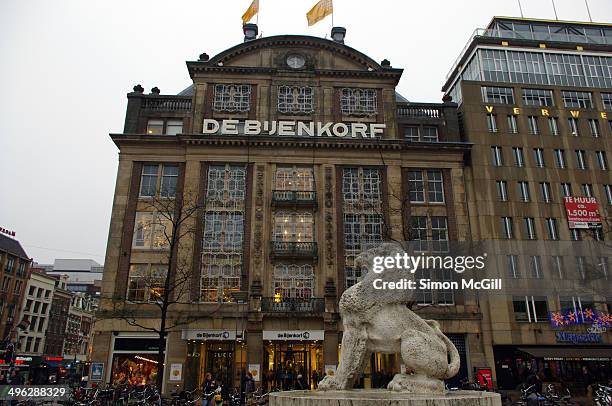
{"x": 489, "y": 109}
{"x": 575, "y": 113}
{"x": 516, "y": 110}
{"x": 545, "y": 112}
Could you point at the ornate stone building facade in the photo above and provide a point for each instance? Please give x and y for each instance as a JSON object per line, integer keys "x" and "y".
{"x": 298, "y": 153}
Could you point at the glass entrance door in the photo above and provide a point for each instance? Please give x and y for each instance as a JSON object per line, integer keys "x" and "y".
{"x": 285, "y": 362}
{"x": 219, "y": 362}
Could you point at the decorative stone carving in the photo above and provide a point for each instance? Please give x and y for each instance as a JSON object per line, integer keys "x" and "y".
{"x": 379, "y": 321}
{"x": 329, "y": 218}
{"x": 258, "y": 223}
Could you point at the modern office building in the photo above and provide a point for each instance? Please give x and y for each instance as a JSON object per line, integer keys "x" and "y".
{"x": 82, "y": 274}
{"x": 298, "y": 154}
{"x": 35, "y": 313}
{"x": 535, "y": 100}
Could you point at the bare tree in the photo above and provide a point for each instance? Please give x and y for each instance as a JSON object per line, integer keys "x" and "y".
{"x": 157, "y": 293}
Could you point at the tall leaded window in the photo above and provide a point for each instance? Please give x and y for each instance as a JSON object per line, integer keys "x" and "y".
{"x": 362, "y": 216}
{"x": 232, "y": 98}
{"x": 358, "y": 101}
{"x": 294, "y": 178}
{"x": 295, "y": 99}
{"x": 293, "y": 226}
{"x": 223, "y": 236}
{"x": 293, "y": 281}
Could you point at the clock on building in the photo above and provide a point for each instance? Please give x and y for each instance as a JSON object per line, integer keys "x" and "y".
{"x": 295, "y": 61}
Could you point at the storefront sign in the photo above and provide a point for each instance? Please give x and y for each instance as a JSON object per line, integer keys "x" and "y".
{"x": 289, "y": 335}
{"x": 485, "y": 377}
{"x": 582, "y": 212}
{"x": 176, "y": 372}
{"x": 136, "y": 344}
{"x": 254, "y": 369}
{"x": 577, "y": 338}
{"x": 292, "y": 128}
{"x": 7, "y": 232}
{"x": 97, "y": 371}
{"x": 220, "y": 335}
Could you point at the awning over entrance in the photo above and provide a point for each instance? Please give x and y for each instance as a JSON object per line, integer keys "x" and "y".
{"x": 568, "y": 353}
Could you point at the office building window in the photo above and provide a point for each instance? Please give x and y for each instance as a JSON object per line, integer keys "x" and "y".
{"x": 559, "y": 158}
{"x": 538, "y": 154}
{"x": 234, "y": 98}
{"x": 538, "y": 97}
{"x": 575, "y": 235}
{"x": 512, "y": 124}
{"x": 608, "y": 193}
{"x": 502, "y": 192}
{"x": 581, "y": 162}
{"x": 439, "y": 234}
{"x": 492, "y": 123}
{"x": 594, "y": 127}
{"x": 556, "y": 263}
{"x": 532, "y": 122}
{"x": 512, "y": 262}
{"x": 496, "y": 154}
{"x": 581, "y": 266}
{"x": 545, "y": 192}
{"x": 500, "y": 95}
{"x": 530, "y": 231}
{"x": 553, "y": 125}
{"x": 572, "y": 125}
{"x": 551, "y": 229}
{"x": 423, "y": 183}
{"x": 579, "y": 100}
{"x": 587, "y": 189}
{"x": 507, "y": 228}
{"x": 295, "y": 99}
{"x": 566, "y": 189}
{"x": 523, "y": 188}
{"x": 167, "y": 127}
{"x": 606, "y": 100}
{"x": 358, "y": 102}
{"x": 536, "y": 266}
{"x": 532, "y": 309}
{"x": 602, "y": 160}
{"x": 519, "y": 160}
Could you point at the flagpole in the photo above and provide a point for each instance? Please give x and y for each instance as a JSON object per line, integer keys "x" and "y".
{"x": 520, "y": 8}
{"x": 588, "y": 10}
{"x": 258, "y": 10}
{"x": 332, "y": 3}
{"x": 555, "y": 9}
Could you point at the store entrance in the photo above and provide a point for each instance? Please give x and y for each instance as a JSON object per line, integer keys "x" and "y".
{"x": 219, "y": 362}
{"x": 286, "y": 363}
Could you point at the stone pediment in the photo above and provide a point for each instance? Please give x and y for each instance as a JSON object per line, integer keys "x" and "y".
{"x": 274, "y": 54}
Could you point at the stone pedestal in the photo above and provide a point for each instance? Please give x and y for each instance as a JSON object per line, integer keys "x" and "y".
{"x": 369, "y": 397}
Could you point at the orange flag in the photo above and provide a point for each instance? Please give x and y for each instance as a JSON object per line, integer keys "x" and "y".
{"x": 251, "y": 11}
{"x": 319, "y": 11}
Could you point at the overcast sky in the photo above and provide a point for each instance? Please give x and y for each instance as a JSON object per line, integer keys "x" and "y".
{"x": 66, "y": 66}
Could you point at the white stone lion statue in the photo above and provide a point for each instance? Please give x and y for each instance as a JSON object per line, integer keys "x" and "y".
{"x": 379, "y": 321}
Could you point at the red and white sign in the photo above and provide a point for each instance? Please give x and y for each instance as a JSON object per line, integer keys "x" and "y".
{"x": 582, "y": 212}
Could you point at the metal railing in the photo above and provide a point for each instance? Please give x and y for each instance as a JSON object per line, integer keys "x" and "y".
{"x": 167, "y": 103}
{"x": 294, "y": 249}
{"x": 293, "y": 197}
{"x": 293, "y": 305}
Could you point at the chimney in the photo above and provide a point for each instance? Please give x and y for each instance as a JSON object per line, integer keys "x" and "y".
{"x": 338, "y": 34}
{"x": 250, "y": 31}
